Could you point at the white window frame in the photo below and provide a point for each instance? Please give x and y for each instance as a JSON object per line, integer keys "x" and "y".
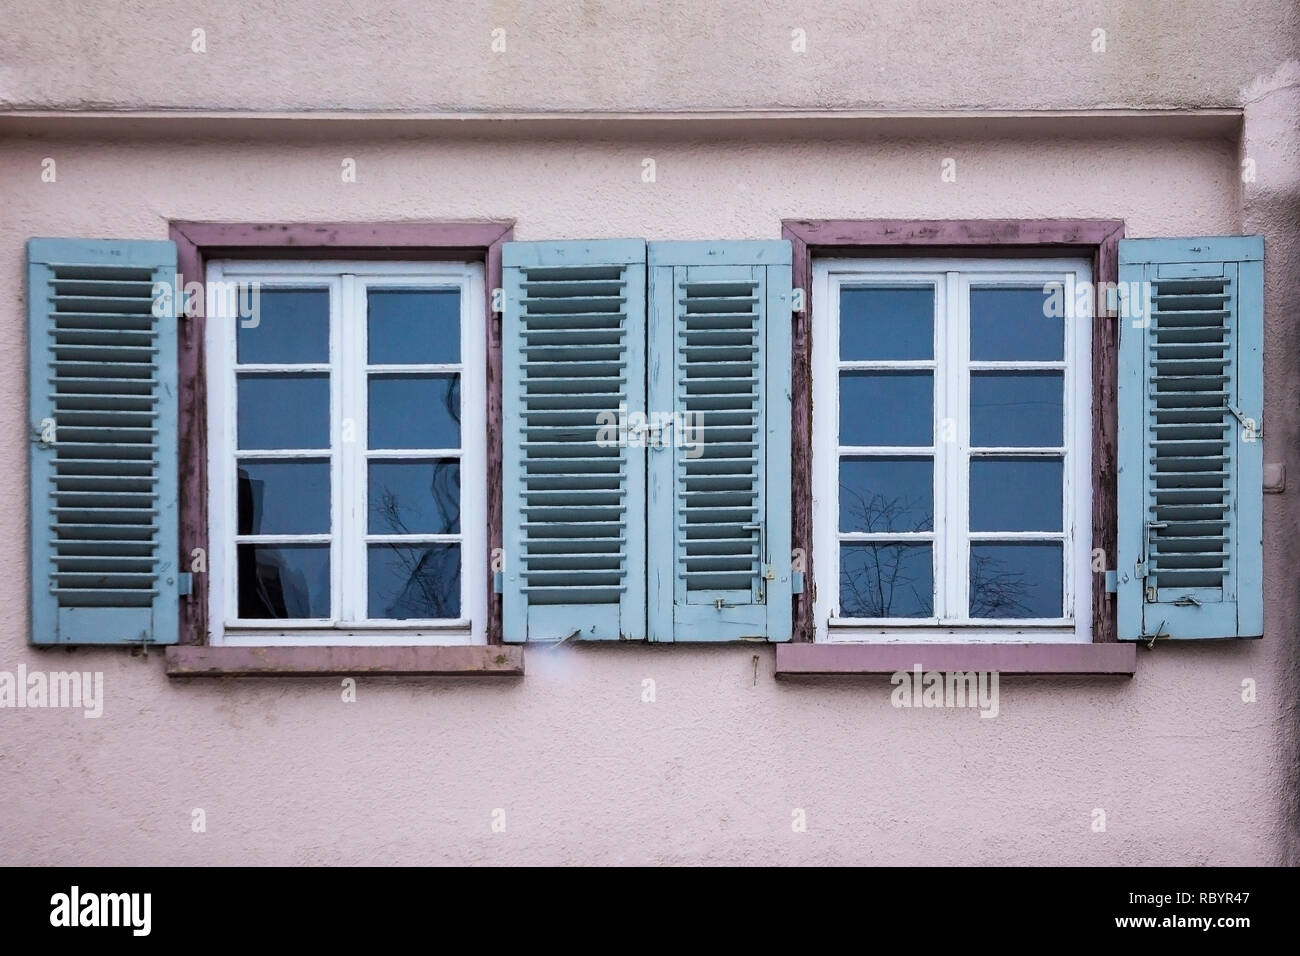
{"x": 952, "y": 280}
{"x": 348, "y": 368}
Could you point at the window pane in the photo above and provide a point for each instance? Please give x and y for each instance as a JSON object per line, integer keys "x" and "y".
{"x": 284, "y": 497}
{"x": 292, "y": 326}
{"x": 279, "y": 581}
{"x": 284, "y": 411}
{"x": 886, "y": 408}
{"x": 1016, "y": 494}
{"x": 415, "y": 497}
{"x": 1017, "y": 409}
{"x": 887, "y": 323}
{"x": 886, "y": 494}
{"x": 1013, "y": 325}
{"x": 885, "y": 579}
{"x": 1016, "y": 580}
{"x": 407, "y": 327}
{"x": 414, "y": 411}
{"x": 414, "y": 582}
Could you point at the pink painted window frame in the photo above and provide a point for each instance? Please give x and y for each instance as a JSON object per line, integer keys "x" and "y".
{"x": 197, "y": 242}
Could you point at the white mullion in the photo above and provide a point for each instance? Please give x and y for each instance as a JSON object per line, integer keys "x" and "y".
{"x": 253, "y": 454}
{"x": 1017, "y": 365}
{"x": 886, "y": 451}
{"x": 414, "y": 453}
{"x": 429, "y": 369}
{"x": 1012, "y": 451}
{"x": 283, "y": 367}
{"x": 351, "y": 421}
{"x": 957, "y": 374}
{"x": 887, "y": 365}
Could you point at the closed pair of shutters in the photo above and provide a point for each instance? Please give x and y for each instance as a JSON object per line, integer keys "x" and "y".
{"x": 647, "y": 441}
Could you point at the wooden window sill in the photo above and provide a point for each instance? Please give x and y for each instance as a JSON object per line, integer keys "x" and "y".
{"x": 424, "y": 661}
{"x": 831, "y": 660}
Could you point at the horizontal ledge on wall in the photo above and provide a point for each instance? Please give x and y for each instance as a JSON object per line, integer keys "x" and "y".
{"x": 1209, "y": 122}
{"x": 447, "y": 661}
{"x": 831, "y": 660}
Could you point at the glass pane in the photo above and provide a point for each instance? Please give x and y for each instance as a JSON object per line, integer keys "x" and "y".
{"x": 284, "y": 497}
{"x": 886, "y": 579}
{"x": 414, "y": 411}
{"x": 279, "y": 581}
{"x": 414, "y": 582}
{"x": 886, "y": 408}
{"x": 408, "y": 327}
{"x": 284, "y": 411}
{"x": 1013, "y": 325}
{"x": 288, "y": 327}
{"x": 415, "y": 497}
{"x": 1016, "y": 580}
{"x": 887, "y": 323}
{"x": 886, "y": 494}
{"x": 1016, "y": 494}
{"x": 1017, "y": 409}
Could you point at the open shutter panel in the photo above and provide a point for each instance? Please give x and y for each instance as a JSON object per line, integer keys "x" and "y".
{"x": 574, "y": 494}
{"x": 1190, "y": 438}
{"x": 102, "y": 400}
{"x": 719, "y": 461}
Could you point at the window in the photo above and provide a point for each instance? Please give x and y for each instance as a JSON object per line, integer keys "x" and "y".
{"x": 346, "y": 440}
{"x": 952, "y": 487}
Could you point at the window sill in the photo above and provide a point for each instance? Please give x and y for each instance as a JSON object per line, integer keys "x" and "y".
{"x": 828, "y": 660}
{"x": 443, "y": 661}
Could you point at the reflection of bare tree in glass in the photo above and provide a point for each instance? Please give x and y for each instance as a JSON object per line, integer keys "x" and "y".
{"x": 882, "y": 582}
{"x": 430, "y": 573}
{"x": 994, "y": 592}
{"x": 894, "y": 578}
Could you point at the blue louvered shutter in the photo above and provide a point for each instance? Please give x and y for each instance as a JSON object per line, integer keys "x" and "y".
{"x": 102, "y": 403}
{"x": 573, "y": 496}
{"x": 719, "y": 463}
{"x": 1190, "y": 499}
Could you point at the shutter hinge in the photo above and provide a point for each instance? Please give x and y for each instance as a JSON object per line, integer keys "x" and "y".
{"x": 796, "y": 582}
{"x": 797, "y": 300}
{"x": 498, "y": 584}
{"x": 1112, "y": 582}
{"x": 185, "y": 583}
{"x": 498, "y": 301}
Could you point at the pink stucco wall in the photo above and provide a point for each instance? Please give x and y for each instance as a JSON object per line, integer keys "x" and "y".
{"x": 583, "y": 768}
{"x": 714, "y": 768}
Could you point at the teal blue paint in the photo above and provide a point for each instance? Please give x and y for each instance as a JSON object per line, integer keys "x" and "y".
{"x": 574, "y": 313}
{"x": 1204, "y": 547}
{"x": 123, "y": 588}
{"x": 701, "y": 590}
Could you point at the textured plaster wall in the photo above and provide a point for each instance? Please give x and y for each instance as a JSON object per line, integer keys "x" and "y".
{"x": 714, "y": 768}
{"x": 418, "y": 55}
